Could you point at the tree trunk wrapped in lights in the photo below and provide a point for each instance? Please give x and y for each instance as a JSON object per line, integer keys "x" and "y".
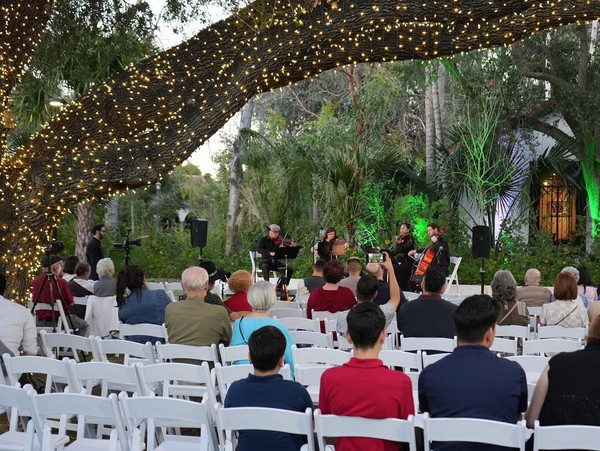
{"x": 131, "y": 129}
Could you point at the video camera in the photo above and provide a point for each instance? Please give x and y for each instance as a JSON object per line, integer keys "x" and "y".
{"x": 127, "y": 243}
{"x": 53, "y": 246}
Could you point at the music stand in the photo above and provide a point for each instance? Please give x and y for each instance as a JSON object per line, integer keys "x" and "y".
{"x": 286, "y": 253}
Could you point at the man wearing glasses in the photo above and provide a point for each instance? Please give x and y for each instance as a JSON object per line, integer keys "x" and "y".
{"x": 93, "y": 251}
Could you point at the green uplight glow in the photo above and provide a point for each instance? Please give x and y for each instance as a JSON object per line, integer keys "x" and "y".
{"x": 592, "y": 185}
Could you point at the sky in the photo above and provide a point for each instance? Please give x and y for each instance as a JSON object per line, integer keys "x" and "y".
{"x": 202, "y": 157}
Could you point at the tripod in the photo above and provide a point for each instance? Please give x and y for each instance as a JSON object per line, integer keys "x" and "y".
{"x": 50, "y": 279}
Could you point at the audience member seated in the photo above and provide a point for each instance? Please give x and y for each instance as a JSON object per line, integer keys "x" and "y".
{"x": 330, "y": 297}
{"x": 594, "y": 311}
{"x": 70, "y": 263}
{"x": 139, "y": 305}
{"x": 585, "y": 287}
{"x": 267, "y": 388}
{"x": 80, "y": 285}
{"x": 364, "y": 387}
{"x": 261, "y": 297}
{"x": 581, "y": 299}
{"x": 316, "y": 280}
{"x": 367, "y": 290}
{"x": 17, "y": 328}
{"x": 532, "y": 294}
{"x": 51, "y": 275}
{"x": 106, "y": 284}
{"x": 383, "y": 288}
{"x": 193, "y": 321}
{"x": 504, "y": 291}
{"x": 473, "y": 382}
{"x": 354, "y": 272}
{"x": 429, "y": 315}
{"x": 567, "y": 391}
{"x": 565, "y": 310}
{"x": 239, "y": 282}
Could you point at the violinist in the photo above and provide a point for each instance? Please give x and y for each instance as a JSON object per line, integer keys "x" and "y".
{"x": 439, "y": 245}
{"x": 405, "y": 243}
{"x": 267, "y": 246}
{"x": 325, "y": 247}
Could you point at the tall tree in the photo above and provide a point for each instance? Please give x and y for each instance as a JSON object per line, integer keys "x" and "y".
{"x": 137, "y": 125}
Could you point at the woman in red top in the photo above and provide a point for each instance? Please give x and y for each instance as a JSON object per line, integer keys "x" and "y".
{"x": 330, "y": 297}
{"x": 240, "y": 283}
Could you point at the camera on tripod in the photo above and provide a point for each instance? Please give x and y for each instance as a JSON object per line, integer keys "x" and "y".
{"x": 127, "y": 243}
{"x": 53, "y": 246}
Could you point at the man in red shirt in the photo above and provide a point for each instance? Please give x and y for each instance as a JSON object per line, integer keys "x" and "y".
{"x": 364, "y": 387}
{"x": 53, "y": 264}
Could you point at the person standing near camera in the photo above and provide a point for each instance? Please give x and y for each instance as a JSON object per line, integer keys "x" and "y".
{"x": 93, "y": 251}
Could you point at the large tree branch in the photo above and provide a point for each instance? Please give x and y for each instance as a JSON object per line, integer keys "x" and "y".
{"x": 551, "y": 78}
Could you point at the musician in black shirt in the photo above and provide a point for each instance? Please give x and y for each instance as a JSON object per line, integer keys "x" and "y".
{"x": 267, "y": 246}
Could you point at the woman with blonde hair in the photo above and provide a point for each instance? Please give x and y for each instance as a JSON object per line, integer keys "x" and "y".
{"x": 240, "y": 283}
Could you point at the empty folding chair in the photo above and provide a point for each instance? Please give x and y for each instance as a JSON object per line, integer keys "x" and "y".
{"x": 299, "y": 324}
{"x": 110, "y": 376}
{"x": 392, "y": 429}
{"x": 317, "y": 339}
{"x": 162, "y": 413}
{"x": 566, "y": 437}
{"x": 131, "y": 351}
{"x": 80, "y": 347}
{"x": 474, "y": 431}
{"x": 186, "y": 353}
{"x": 287, "y": 313}
{"x": 427, "y": 344}
{"x": 230, "y": 354}
{"x": 533, "y": 365}
{"x": 286, "y": 304}
{"x": 310, "y": 377}
{"x": 410, "y": 362}
{"x": 55, "y": 371}
{"x": 504, "y": 345}
{"x": 578, "y": 333}
{"x": 548, "y": 346}
{"x": 313, "y": 356}
{"x": 513, "y": 331}
{"x": 262, "y": 419}
{"x": 428, "y": 359}
{"x": 90, "y": 410}
{"x": 153, "y": 331}
{"x": 226, "y": 375}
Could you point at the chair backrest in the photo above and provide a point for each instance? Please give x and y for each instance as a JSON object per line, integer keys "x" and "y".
{"x": 226, "y": 375}
{"x": 153, "y": 330}
{"x": 286, "y": 313}
{"x": 263, "y": 419}
{"x": 230, "y": 354}
{"x": 89, "y": 410}
{"x": 161, "y": 412}
{"x": 55, "y": 370}
{"x": 504, "y": 345}
{"x": 300, "y": 324}
{"x": 302, "y": 300}
{"x": 302, "y": 337}
{"x": 550, "y": 345}
{"x": 169, "y": 352}
{"x": 155, "y": 285}
{"x": 102, "y": 315}
{"x": 392, "y": 429}
{"x": 408, "y": 361}
{"x": 453, "y": 277}
{"x": 323, "y": 356}
{"x": 133, "y": 352}
{"x": 286, "y": 304}
{"x": 562, "y": 332}
{"x": 428, "y": 359}
{"x": 52, "y": 342}
{"x": 473, "y": 430}
{"x": 177, "y": 380}
{"x": 173, "y": 286}
{"x": 17, "y": 401}
{"x": 310, "y": 376}
{"x": 111, "y": 376}
{"x": 62, "y": 324}
{"x": 427, "y": 344}
{"x": 566, "y": 437}
{"x": 325, "y": 315}
{"x": 531, "y": 363}
{"x": 513, "y": 331}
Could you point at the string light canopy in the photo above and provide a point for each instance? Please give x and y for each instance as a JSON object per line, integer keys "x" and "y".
{"x": 133, "y": 128}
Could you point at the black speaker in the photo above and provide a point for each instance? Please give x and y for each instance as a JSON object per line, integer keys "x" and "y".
{"x": 481, "y": 242}
{"x": 199, "y": 232}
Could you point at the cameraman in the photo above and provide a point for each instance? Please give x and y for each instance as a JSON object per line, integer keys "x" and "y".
{"x": 93, "y": 251}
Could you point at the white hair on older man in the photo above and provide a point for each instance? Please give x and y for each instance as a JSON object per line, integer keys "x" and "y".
{"x": 105, "y": 268}
{"x": 194, "y": 278}
{"x": 262, "y": 296}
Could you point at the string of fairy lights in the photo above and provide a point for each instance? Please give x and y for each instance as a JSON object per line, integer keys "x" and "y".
{"x": 130, "y": 130}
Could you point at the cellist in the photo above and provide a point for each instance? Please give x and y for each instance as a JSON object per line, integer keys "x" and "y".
{"x": 439, "y": 245}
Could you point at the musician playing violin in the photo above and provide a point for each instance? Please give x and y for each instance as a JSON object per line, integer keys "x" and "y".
{"x": 440, "y": 245}
{"x": 324, "y": 248}
{"x": 267, "y": 246}
{"x": 405, "y": 243}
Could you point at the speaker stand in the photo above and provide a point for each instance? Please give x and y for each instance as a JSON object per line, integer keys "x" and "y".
{"x": 200, "y": 257}
{"x": 482, "y": 272}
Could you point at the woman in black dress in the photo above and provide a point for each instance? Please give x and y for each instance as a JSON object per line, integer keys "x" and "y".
{"x": 405, "y": 243}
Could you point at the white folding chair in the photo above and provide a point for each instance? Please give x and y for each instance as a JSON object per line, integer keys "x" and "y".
{"x": 18, "y": 402}
{"x": 301, "y": 301}
{"x": 173, "y": 286}
{"x": 453, "y": 277}
{"x": 534, "y": 314}
{"x": 256, "y": 269}
{"x": 132, "y": 352}
{"x": 62, "y": 324}
{"x": 473, "y": 430}
{"x": 90, "y": 410}
{"x": 533, "y": 365}
{"x": 410, "y": 362}
{"x": 190, "y": 354}
{"x": 111, "y": 377}
{"x": 578, "y": 333}
{"x": 226, "y": 375}
{"x": 513, "y": 331}
{"x": 317, "y": 339}
{"x": 155, "y": 285}
{"x": 428, "y": 359}
{"x": 287, "y": 313}
{"x": 427, "y": 344}
{"x": 102, "y": 315}
{"x": 300, "y": 324}
{"x": 392, "y": 429}
{"x": 52, "y": 343}
{"x": 393, "y": 330}
{"x": 566, "y": 437}
{"x": 504, "y": 345}
{"x": 322, "y": 356}
{"x": 550, "y": 346}
{"x": 286, "y": 304}
{"x": 310, "y": 377}
{"x": 161, "y": 413}
{"x": 152, "y": 330}
{"x": 230, "y": 354}
{"x": 57, "y": 375}
{"x": 262, "y": 419}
